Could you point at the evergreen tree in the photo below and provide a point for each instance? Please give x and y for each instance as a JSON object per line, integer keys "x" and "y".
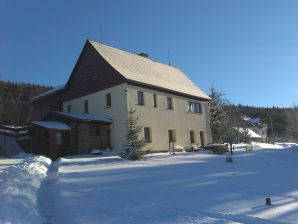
{"x": 217, "y": 112}
{"x": 245, "y": 136}
{"x": 133, "y": 146}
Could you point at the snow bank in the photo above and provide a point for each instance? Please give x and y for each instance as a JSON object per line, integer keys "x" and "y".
{"x": 19, "y": 185}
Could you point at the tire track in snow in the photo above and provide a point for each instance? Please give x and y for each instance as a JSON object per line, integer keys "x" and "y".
{"x": 46, "y": 196}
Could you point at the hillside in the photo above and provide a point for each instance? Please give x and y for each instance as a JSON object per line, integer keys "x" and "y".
{"x": 15, "y": 106}
{"x": 282, "y": 122}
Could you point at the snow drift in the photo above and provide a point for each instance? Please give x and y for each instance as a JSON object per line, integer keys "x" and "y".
{"x": 19, "y": 185}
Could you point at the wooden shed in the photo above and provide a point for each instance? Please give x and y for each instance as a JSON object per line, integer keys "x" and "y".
{"x": 51, "y": 138}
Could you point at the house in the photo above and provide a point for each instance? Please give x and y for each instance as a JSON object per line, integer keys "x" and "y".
{"x": 106, "y": 83}
{"x": 253, "y": 135}
{"x": 256, "y": 125}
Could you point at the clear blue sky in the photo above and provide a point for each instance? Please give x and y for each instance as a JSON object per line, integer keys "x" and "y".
{"x": 246, "y": 48}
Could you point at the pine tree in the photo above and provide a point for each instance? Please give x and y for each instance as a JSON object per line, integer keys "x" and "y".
{"x": 245, "y": 136}
{"x": 217, "y": 112}
{"x": 133, "y": 146}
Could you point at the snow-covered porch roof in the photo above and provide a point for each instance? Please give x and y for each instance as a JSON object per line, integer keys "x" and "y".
{"x": 52, "y": 125}
{"x": 84, "y": 117}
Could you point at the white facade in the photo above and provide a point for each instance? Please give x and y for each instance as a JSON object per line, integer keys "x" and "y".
{"x": 158, "y": 119}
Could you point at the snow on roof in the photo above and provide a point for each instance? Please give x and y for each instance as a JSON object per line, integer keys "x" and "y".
{"x": 255, "y": 120}
{"x": 141, "y": 69}
{"x": 52, "y": 125}
{"x": 51, "y": 91}
{"x": 251, "y": 133}
{"x": 85, "y": 117}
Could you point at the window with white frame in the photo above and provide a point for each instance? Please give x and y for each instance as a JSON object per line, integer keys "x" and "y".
{"x": 194, "y": 107}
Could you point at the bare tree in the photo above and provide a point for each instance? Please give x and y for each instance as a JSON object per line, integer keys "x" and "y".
{"x": 229, "y": 130}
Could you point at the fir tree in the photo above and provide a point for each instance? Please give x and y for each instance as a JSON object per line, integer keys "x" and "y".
{"x": 217, "y": 112}
{"x": 133, "y": 146}
{"x": 245, "y": 136}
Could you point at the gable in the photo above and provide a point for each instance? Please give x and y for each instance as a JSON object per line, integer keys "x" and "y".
{"x": 91, "y": 74}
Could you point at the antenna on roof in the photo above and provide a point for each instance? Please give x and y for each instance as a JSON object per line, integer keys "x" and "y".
{"x": 100, "y": 33}
{"x": 169, "y": 58}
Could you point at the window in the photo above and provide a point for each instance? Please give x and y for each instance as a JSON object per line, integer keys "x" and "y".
{"x": 154, "y": 100}
{"x": 194, "y": 107}
{"x": 86, "y": 109}
{"x": 68, "y": 108}
{"x": 192, "y": 136}
{"x": 172, "y": 135}
{"x": 169, "y": 103}
{"x": 93, "y": 130}
{"x": 58, "y": 138}
{"x": 108, "y": 100}
{"x": 140, "y": 98}
{"x": 147, "y": 134}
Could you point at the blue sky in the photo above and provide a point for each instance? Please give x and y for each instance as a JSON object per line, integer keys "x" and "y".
{"x": 246, "y": 48}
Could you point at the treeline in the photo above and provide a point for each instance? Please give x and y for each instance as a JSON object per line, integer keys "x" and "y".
{"x": 15, "y": 105}
{"x": 282, "y": 122}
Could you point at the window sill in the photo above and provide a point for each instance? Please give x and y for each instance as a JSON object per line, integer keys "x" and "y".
{"x": 108, "y": 107}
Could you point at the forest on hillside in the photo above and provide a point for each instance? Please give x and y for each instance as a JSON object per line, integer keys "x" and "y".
{"x": 282, "y": 122}
{"x": 15, "y": 105}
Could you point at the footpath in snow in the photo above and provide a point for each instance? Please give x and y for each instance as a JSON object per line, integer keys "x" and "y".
{"x": 47, "y": 195}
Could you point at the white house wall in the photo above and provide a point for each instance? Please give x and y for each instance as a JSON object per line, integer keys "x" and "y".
{"x": 160, "y": 119}
{"x": 97, "y": 105}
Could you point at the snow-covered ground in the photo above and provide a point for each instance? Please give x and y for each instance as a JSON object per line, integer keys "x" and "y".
{"x": 20, "y": 180}
{"x": 184, "y": 188}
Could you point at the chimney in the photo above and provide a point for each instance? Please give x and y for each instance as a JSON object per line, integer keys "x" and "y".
{"x": 144, "y": 55}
